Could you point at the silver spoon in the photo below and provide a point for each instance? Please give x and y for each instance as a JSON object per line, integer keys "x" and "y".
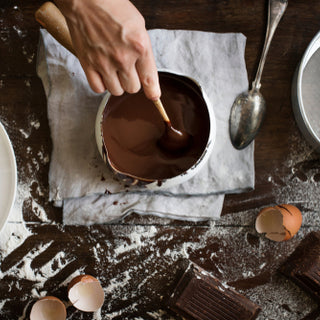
{"x": 249, "y": 108}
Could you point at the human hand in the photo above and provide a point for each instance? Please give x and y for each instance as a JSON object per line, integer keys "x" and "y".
{"x": 113, "y": 46}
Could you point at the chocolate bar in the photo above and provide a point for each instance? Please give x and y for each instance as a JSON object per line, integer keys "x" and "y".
{"x": 200, "y": 296}
{"x": 303, "y": 265}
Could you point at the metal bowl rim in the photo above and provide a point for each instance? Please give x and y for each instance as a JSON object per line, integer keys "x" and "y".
{"x": 312, "y": 47}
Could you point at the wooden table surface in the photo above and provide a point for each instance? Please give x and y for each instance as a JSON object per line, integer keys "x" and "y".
{"x": 139, "y": 260}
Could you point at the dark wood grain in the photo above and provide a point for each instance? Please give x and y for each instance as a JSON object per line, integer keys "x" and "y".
{"x": 154, "y": 264}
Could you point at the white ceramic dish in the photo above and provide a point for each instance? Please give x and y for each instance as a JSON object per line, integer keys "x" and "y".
{"x": 185, "y": 175}
{"x": 302, "y": 115}
{"x": 8, "y": 177}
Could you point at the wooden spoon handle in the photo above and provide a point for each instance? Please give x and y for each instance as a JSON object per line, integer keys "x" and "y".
{"x": 162, "y": 110}
{"x": 51, "y": 18}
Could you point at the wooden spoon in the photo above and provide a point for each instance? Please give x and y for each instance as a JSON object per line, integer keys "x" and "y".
{"x": 172, "y": 139}
{"x": 50, "y": 17}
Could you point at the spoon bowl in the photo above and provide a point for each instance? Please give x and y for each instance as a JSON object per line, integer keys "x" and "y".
{"x": 246, "y": 117}
{"x": 174, "y": 141}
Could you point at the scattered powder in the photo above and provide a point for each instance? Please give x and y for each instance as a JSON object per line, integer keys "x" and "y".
{"x": 57, "y": 263}
{"x": 262, "y": 265}
{"x": 219, "y": 269}
{"x": 119, "y": 313}
{"x": 97, "y": 315}
{"x": 23, "y": 316}
{"x": 146, "y": 279}
{"x": 215, "y": 242}
{"x": 277, "y": 293}
{"x": 121, "y": 286}
{"x": 19, "y": 31}
{"x": 301, "y": 187}
{"x": 44, "y": 158}
{"x": 158, "y": 314}
{"x": 25, "y": 134}
{"x": 23, "y": 270}
{"x": 4, "y": 31}
{"x": 2, "y": 303}
{"x": 35, "y": 123}
{"x": 247, "y": 274}
{"x": 70, "y": 277}
{"x": 138, "y": 238}
{"x": 13, "y": 236}
{"x": 117, "y": 284}
{"x": 15, "y": 232}
{"x": 29, "y": 56}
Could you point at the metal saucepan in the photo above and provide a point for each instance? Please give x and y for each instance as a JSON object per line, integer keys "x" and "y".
{"x": 154, "y": 184}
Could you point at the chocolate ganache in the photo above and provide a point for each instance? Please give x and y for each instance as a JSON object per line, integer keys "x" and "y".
{"x": 132, "y": 127}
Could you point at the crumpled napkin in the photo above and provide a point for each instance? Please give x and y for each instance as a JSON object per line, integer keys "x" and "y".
{"x": 78, "y": 178}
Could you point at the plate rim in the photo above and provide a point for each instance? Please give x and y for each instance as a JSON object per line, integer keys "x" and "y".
{"x": 12, "y": 159}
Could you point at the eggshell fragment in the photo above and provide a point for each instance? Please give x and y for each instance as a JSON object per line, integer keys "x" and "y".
{"x": 48, "y": 308}
{"x": 85, "y": 293}
{"x": 279, "y": 223}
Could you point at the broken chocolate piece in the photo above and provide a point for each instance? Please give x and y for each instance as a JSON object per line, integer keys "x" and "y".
{"x": 303, "y": 265}
{"x": 200, "y": 296}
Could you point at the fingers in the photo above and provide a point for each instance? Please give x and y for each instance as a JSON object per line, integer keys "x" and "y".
{"x": 112, "y": 83}
{"x": 95, "y": 80}
{"x": 130, "y": 81}
{"x": 109, "y": 81}
{"x": 122, "y": 74}
{"x": 148, "y": 74}
{"x": 116, "y": 82}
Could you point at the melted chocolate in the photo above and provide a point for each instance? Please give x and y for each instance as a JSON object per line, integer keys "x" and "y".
{"x": 174, "y": 140}
{"x": 132, "y": 128}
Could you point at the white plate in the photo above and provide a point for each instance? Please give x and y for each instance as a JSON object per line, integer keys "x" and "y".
{"x": 8, "y": 176}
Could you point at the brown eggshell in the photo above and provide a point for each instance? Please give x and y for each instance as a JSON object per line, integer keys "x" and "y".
{"x": 85, "y": 293}
{"x": 82, "y": 278}
{"x": 292, "y": 219}
{"x": 48, "y": 308}
{"x": 279, "y": 223}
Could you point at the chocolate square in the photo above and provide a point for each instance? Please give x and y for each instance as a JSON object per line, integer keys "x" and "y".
{"x": 200, "y": 296}
{"x": 303, "y": 265}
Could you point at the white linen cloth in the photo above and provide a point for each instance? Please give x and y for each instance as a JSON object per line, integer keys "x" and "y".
{"x": 78, "y": 178}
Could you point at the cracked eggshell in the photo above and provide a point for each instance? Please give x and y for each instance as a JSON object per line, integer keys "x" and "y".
{"x": 85, "y": 293}
{"x": 48, "y": 308}
{"x": 279, "y": 223}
